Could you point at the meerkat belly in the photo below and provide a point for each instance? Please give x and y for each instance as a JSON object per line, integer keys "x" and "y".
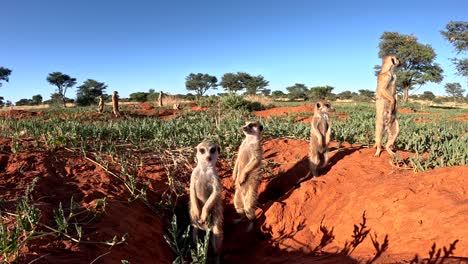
{"x": 204, "y": 191}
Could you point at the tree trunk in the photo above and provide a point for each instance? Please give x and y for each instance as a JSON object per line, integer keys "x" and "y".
{"x": 405, "y": 94}
{"x": 64, "y": 102}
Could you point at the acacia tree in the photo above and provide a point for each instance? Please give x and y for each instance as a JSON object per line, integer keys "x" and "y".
{"x": 62, "y": 82}
{"x": 232, "y": 82}
{"x": 297, "y": 91}
{"x": 456, "y": 32}
{"x": 417, "y": 61}
{"x": 254, "y": 84}
{"x": 36, "y": 99}
{"x": 320, "y": 92}
{"x": 454, "y": 89}
{"x": 4, "y": 75}
{"x": 200, "y": 83}
{"x": 89, "y": 91}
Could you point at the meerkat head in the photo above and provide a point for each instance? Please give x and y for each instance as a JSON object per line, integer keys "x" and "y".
{"x": 389, "y": 62}
{"x": 252, "y": 128}
{"x": 207, "y": 152}
{"x": 323, "y": 106}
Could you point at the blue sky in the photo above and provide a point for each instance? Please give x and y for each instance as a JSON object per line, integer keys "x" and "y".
{"x": 140, "y": 45}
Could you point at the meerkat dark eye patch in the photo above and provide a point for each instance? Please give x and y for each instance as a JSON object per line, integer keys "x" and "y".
{"x": 318, "y": 105}
{"x": 251, "y": 125}
{"x": 327, "y": 105}
{"x": 202, "y": 150}
{"x": 212, "y": 150}
{"x": 260, "y": 127}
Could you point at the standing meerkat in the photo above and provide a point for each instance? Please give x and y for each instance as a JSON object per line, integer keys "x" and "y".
{"x": 101, "y": 104}
{"x": 320, "y": 130}
{"x": 206, "y": 207}
{"x": 385, "y": 105}
{"x": 115, "y": 103}
{"x": 246, "y": 174}
{"x": 160, "y": 99}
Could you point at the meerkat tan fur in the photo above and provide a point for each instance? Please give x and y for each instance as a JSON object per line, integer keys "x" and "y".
{"x": 176, "y": 106}
{"x": 385, "y": 105}
{"x": 246, "y": 174}
{"x": 115, "y": 103}
{"x": 101, "y": 104}
{"x": 160, "y": 99}
{"x": 320, "y": 130}
{"x": 206, "y": 205}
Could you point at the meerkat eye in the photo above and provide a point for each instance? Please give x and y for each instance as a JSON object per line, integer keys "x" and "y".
{"x": 327, "y": 105}
{"x": 202, "y": 150}
{"x": 318, "y": 105}
{"x": 212, "y": 150}
{"x": 260, "y": 128}
{"x": 251, "y": 125}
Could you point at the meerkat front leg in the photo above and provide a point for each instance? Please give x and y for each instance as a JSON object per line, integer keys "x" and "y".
{"x": 210, "y": 202}
{"x": 253, "y": 163}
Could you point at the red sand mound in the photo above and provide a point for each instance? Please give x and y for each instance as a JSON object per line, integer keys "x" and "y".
{"x": 19, "y": 114}
{"x": 62, "y": 175}
{"x": 414, "y": 210}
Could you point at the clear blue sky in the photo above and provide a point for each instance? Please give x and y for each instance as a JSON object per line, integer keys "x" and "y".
{"x": 139, "y": 45}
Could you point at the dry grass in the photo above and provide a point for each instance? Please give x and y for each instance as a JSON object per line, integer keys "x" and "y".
{"x": 266, "y": 101}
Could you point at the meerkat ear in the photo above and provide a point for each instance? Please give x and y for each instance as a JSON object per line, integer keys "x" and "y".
{"x": 393, "y": 61}
{"x": 219, "y": 149}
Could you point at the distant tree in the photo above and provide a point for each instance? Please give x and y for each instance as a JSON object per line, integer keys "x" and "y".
{"x": 457, "y": 33}
{"x": 200, "y": 83}
{"x": 62, "y": 82}
{"x": 254, "y": 84}
{"x": 24, "y": 102}
{"x": 152, "y": 95}
{"x": 367, "y": 93}
{"x": 427, "y": 95}
{"x": 417, "y": 61}
{"x": 454, "y": 89}
{"x": 2, "y": 104}
{"x": 8, "y": 103}
{"x": 297, "y": 91}
{"x": 278, "y": 93}
{"x": 232, "y": 82}
{"x": 89, "y": 91}
{"x": 320, "y": 92}
{"x": 346, "y": 95}
{"x": 138, "y": 97}
{"x": 4, "y": 75}
{"x": 37, "y": 99}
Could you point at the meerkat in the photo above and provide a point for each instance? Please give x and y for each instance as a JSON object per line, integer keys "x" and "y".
{"x": 385, "y": 105}
{"x": 246, "y": 173}
{"x": 320, "y": 130}
{"x": 115, "y": 103}
{"x": 206, "y": 208}
{"x": 101, "y": 104}
{"x": 160, "y": 99}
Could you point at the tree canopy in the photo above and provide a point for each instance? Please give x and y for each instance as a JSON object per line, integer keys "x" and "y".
{"x": 62, "y": 82}
{"x": 320, "y": 92}
{"x": 4, "y": 75}
{"x": 255, "y": 84}
{"x": 297, "y": 91}
{"x": 456, "y": 32}
{"x": 200, "y": 83}
{"x": 454, "y": 89}
{"x": 232, "y": 82}
{"x": 417, "y": 61}
{"x": 89, "y": 91}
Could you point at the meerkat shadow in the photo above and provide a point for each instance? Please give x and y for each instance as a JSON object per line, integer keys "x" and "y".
{"x": 337, "y": 154}
{"x": 284, "y": 182}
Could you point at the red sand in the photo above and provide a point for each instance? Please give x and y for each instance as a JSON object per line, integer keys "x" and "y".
{"x": 414, "y": 210}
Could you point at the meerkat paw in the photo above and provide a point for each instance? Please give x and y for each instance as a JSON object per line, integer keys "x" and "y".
{"x": 377, "y": 152}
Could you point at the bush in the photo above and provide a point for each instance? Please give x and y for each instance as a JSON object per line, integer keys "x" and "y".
{"x": 234, "y": 101}
{"x": 207, "y": 101}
